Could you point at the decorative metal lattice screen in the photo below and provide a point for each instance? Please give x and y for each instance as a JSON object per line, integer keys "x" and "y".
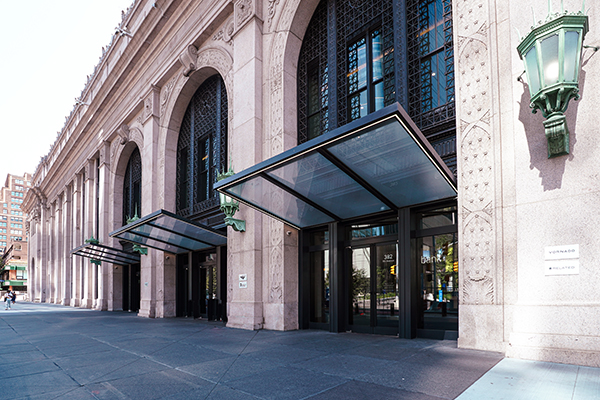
{"x": 418, "y": 62}
{"x": 202, "y": 149}
{"x": 132, "y": 187}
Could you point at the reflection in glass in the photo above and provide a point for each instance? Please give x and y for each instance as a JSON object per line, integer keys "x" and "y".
{"x": 319, "y": 238}
{"x": 387, "y": 286}
{"x": 361, "y": 286}
{"x": 365, "y": 231}
{"x": 319, "y": 286}
{"x": 436, "y": 218}
{"x": 439, "y": 282}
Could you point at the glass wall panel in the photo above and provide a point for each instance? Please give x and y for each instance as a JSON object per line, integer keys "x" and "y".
{"x": 386, "y": 288}
{"x": 319, "y": 286}
{"x": 438, "y": 270}
{"x": 361, "y": 286}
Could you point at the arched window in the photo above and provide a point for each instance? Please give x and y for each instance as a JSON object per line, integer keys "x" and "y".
{"x": 359, "y": 56}
{"x": 202, "y": 149}
{"x": 132, "y": 187}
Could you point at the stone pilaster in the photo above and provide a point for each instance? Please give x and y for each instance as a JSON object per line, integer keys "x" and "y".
{"x": 67, "y": 247}
{"x": 104, "y": 225}
{"x": 77, "y": 236}
{"x": 152, "y": 265}
{"x": 58, "y": 250}
{"x": 481, "y": 314}
{"x": 244, "y": 249}
{"x": 51, "y": 279}
{"x": 89, "y": 269}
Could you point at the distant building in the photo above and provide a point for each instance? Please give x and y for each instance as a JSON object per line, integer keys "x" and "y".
{"x": 13, "y": 236}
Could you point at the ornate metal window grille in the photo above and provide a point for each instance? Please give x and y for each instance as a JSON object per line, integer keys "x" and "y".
{"x": 365, "y": 74}
{"x": 202, "y": 149}
{"x": 132, "y": 187}
{"x": 431, "y": 63}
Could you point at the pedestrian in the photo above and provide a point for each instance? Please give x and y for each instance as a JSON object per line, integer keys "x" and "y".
{"x": 7, "y": 299}
{"x": 14, "y": 296}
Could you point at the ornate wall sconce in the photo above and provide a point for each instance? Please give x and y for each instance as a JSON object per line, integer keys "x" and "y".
{"x": 230, "y": 206}
{"x": 552, "y": 56}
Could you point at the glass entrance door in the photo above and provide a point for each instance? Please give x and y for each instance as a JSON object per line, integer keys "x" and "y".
{"x": 374, "y": 289}
{"x": 204, "y": 287}
{"x": 131, "y": 287}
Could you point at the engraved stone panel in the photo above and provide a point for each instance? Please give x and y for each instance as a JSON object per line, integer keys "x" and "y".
{"x": 475, "y": 161}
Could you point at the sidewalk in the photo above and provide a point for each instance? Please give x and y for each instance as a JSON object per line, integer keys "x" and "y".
{"x": 54, "y": 352}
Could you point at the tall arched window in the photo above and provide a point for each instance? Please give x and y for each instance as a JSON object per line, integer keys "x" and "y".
{"x": 132, "y": 187}
{"x": 359, "y": 56}
{"x": 202, "y": 149}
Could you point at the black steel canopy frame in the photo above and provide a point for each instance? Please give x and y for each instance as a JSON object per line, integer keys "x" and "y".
{"x": 106, "y": 253}
{"x": 378, "y": 163}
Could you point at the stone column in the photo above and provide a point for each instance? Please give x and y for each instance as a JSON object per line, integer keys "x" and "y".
{"x": 104, "y": 225}
{"x": 43, "y": 255}
{"x": 157, "y": 283}
{"x": 58, "y": 250}
{"x": 34, "y": 252}
{"x": 51, "y": 248}
{"x": 244, "y": 249}
{"x": 89, "y": 231}
{"x": 67, "y": 247}
{"x": 77, "y": 236}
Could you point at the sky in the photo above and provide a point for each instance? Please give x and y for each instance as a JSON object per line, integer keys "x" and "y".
{"x": 47, "y": 50}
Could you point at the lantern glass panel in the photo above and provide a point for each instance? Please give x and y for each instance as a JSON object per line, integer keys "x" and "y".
{"x": 550, "y": 58}
{"x": 571, "y": 44}
{"x": 532, "y": 70}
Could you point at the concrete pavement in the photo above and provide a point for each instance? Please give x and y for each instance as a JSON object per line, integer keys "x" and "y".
{"x": 54, "y": 352}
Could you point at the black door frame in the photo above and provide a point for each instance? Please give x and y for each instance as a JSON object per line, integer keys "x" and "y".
{"x": 191, "y": 285}
{"x": 131, "y": 287}
{"x": 340, "y": 279}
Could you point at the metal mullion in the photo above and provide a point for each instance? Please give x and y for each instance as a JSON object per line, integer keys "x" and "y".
{"x": 179, "y": 234}
{"x": 100, "y": 248}
{"x": 156, "y": 239}
{"x": 265, "y": 211}
{"x": 85, "y": 253}
{"x": 301, "y": 197}
{"x": 362, "y": 182}
{"x": 99, "y": 258}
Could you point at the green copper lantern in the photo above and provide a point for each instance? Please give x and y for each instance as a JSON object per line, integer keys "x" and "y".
{"x": 230, "y": 206}
{"x": 552, "y": 56}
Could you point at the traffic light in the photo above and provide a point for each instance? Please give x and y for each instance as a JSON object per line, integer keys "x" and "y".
{"x": 393, "y": 270}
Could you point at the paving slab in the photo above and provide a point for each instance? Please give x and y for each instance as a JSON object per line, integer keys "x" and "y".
{"x": 513, "y": 379}
{"x": 57, "y": 352}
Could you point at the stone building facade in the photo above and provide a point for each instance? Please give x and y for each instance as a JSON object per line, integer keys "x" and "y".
{"x": 186, "y": 89}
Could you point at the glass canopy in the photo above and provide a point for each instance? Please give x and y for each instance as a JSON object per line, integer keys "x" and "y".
{"x": 105, "y": 253}
{"x": 169, "y": 232}
{"x": 378, "y": 163}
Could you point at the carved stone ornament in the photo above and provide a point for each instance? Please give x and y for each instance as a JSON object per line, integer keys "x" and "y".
{"x": 476, "y": 163}
{"x": 147, "y": 107}
{"x": 243, "y": 11}
{"x": 165, "y": 94}
{"x": 123, "y": 133}
{"x": 188, "y": 59}
{"x": 225, "y": 34}
{"x": 272, "y": 9}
